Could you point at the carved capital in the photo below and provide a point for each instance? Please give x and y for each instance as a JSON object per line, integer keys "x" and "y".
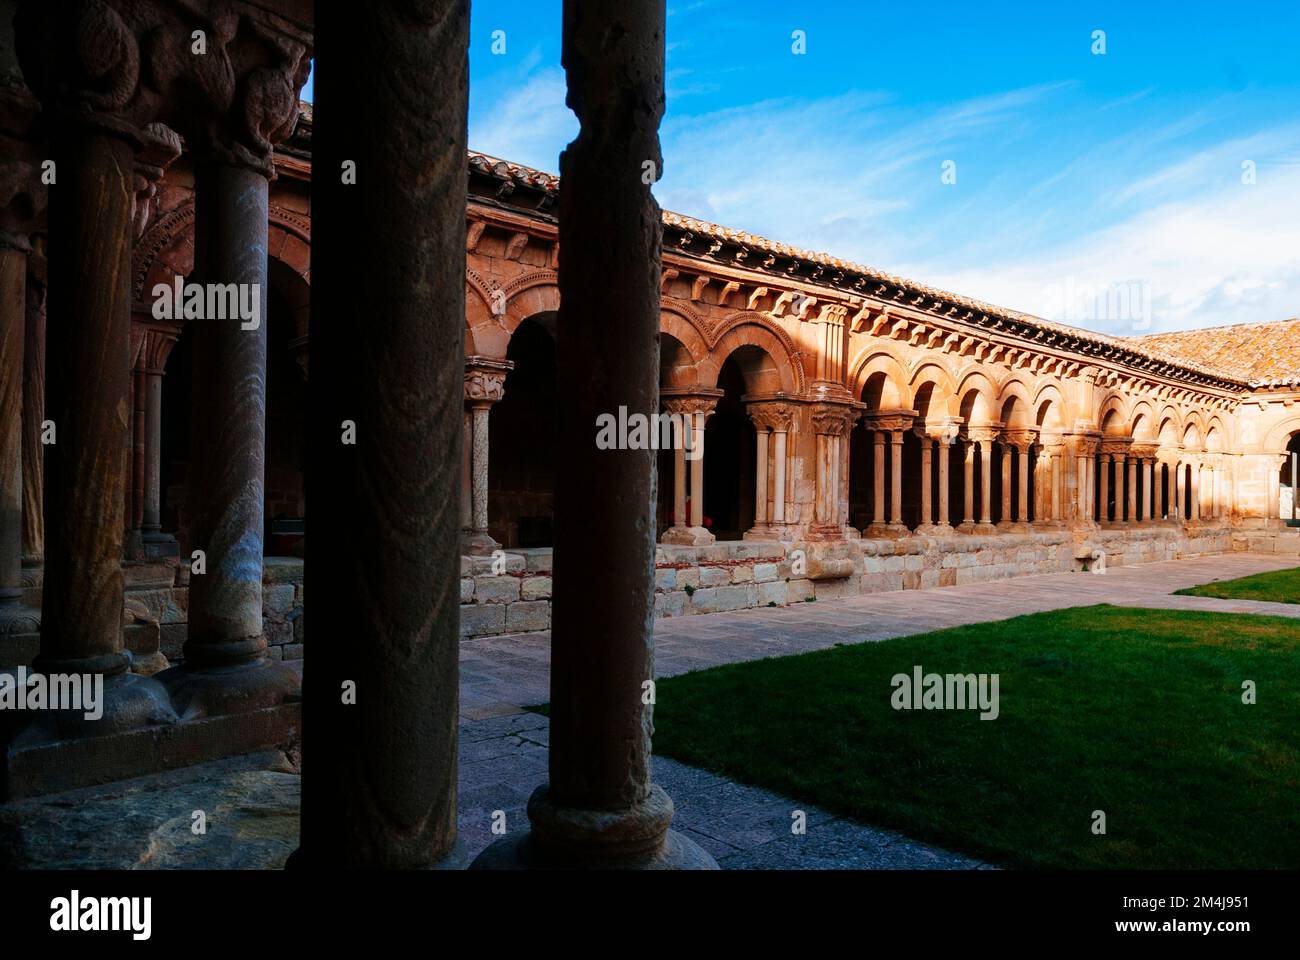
{"x": 156, "y": 346}
{"x": 1116, "y": 446}
{"x": 162, "y": 146}
{"x": 1021, "y": 438}
{"x": 690, "y": 400}
{"x": 771, "y": 415}
{"x": 485, "y": 380}
{"x": 891, "y": 421}
{"x": 833, "y": 419}
{"x": 984, "y": 432}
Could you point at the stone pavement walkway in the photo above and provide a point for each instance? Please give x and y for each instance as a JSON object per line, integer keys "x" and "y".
{"x": 500, "y": 675}
{"x": 503, "y": 754}
{"x": 253, "y": 801}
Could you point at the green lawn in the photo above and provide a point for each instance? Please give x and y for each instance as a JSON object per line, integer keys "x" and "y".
{"x": 1137, "y": 713}
{"x": 1282, "y": 586}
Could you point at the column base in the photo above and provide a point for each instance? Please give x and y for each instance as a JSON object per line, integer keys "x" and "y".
{"x": 687, "y": 537}
{"x": 156, "y": 545}
{"x": 934, "y": 530}
{"x": 885, "y": 531}
{"x": 569, "y": 838}
{"x": 771, "y": 533}
{"x": 831, "y": 532}
{"x": 20, "y": 632}
{"x": 477, "y": 543}
{"x": 198, "y": 692}
{"x": 977, "y": 529}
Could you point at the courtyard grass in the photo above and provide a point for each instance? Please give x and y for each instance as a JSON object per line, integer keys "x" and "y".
{"x": 1280, "y": 586}
{"x": 1134, "y": 712}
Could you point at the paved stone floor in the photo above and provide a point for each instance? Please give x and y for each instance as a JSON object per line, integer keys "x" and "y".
{"x": 251, "y": 802}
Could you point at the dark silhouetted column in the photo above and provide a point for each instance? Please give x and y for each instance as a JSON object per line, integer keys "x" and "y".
{"x": 600, "y": 807}
{"x": 387, "y": 344}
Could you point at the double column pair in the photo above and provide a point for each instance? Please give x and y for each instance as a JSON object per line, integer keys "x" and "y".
{"x": 690, "y": 408}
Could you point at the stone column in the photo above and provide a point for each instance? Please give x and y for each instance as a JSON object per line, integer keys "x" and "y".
{"x": 1148, "y": 490}
{"x": 945, "y": 448}
{"x": 226, "y": 668}
{"x": 13, "y": 334}
{"x": 33, "y": 415}
{"x": 771, "y": 421}
{"x": 968, "y": 486}
{"x": 600, "y": 807}
{"x": 831, "y": 423}
{"x": 1008, "y": 510}
{"x": 1132, "y": 490}
{"x": 1107, "y": 461}
{"x": 986, "y": 484}
{"x": 760, "y": 475}
{"x": 878, "y": 479}
{"x": 896, "y": 478}
{"x": 779, "y": 468}
{"x": 467, "y": 475}
{"x": 485, "y": 380}
{"x": 927, "y": 480}
{"x": 1197, "y": 466}
{"x": 893, "y": 424}
{"x": 691, "y": 407}
{"x": 158, "y": 344}
{"x": 87, "y": 392}
{"x": 1180, "y": 489}
{"x": 1058, "y": 481}
{"x": 380, "y": 769}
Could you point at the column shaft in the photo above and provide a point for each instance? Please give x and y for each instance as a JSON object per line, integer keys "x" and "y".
{"x": 896, "y": 477}
{"x": 986, "y": 481}
{"x": 13, "y": 336}
{"x": 927, "y": 484}
{"x": 760, "y": 478}
{"x": 878, "y": 477}
{"x": 479, "y": 465}
{"x": 1022, "y": 512}
{"x": 968, "y": 483}
{"x": 778, "y": 471}
{"x": 87, "y": 389}
{"x": 33, "y": 415}
{"x": 944, "y": 484}
{"x": 225, "y": 604}
{"x": 380, "y": 771}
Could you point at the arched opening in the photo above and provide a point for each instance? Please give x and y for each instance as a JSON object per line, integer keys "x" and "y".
{"x": 1289, "y": 478}
{"x": 521, "y": 440}
{"x": 869, "y": 501}
{"x": 730, "y": 450}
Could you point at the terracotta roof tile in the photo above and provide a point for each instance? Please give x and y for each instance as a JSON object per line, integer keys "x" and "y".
{"x": 1262, "y": 354}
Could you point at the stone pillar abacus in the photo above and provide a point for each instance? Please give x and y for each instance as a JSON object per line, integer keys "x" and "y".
{"x": 380, "y": 731}
{"x": 691, "y": 408}
{"x": 600, "y": 807}
{"x": 485, "y": 380}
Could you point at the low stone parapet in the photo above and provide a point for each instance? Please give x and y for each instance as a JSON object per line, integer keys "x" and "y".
{"x": 509, "y": 592}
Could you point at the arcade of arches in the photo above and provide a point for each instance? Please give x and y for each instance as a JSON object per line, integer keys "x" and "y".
{"x": 851, "y": 431}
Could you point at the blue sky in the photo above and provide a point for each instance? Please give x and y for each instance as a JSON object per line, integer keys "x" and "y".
{"x": 1073, "y": 170}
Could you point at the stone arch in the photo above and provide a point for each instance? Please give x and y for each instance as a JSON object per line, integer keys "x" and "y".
{"x": 977, "y": 398}
{"x": 1170, "y": 431}
{"x": 1050, "y": 412}
{"x": 1015, "y": 405}
{"x": 944, "y": 399}
{"x": 878, "y": 372}
{"x": 1279, "y": 437}
{"x": 687, "y": 330}
{"x": 1144, "y": 422}
{"x": 495, "y": 310}
{"x": 1113, "y": 416}
{"x": 1193, "y": 432}
{"x": 781, "y": 372}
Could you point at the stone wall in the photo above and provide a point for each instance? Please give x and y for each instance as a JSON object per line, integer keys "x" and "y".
{"x": 511, "y": 592}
